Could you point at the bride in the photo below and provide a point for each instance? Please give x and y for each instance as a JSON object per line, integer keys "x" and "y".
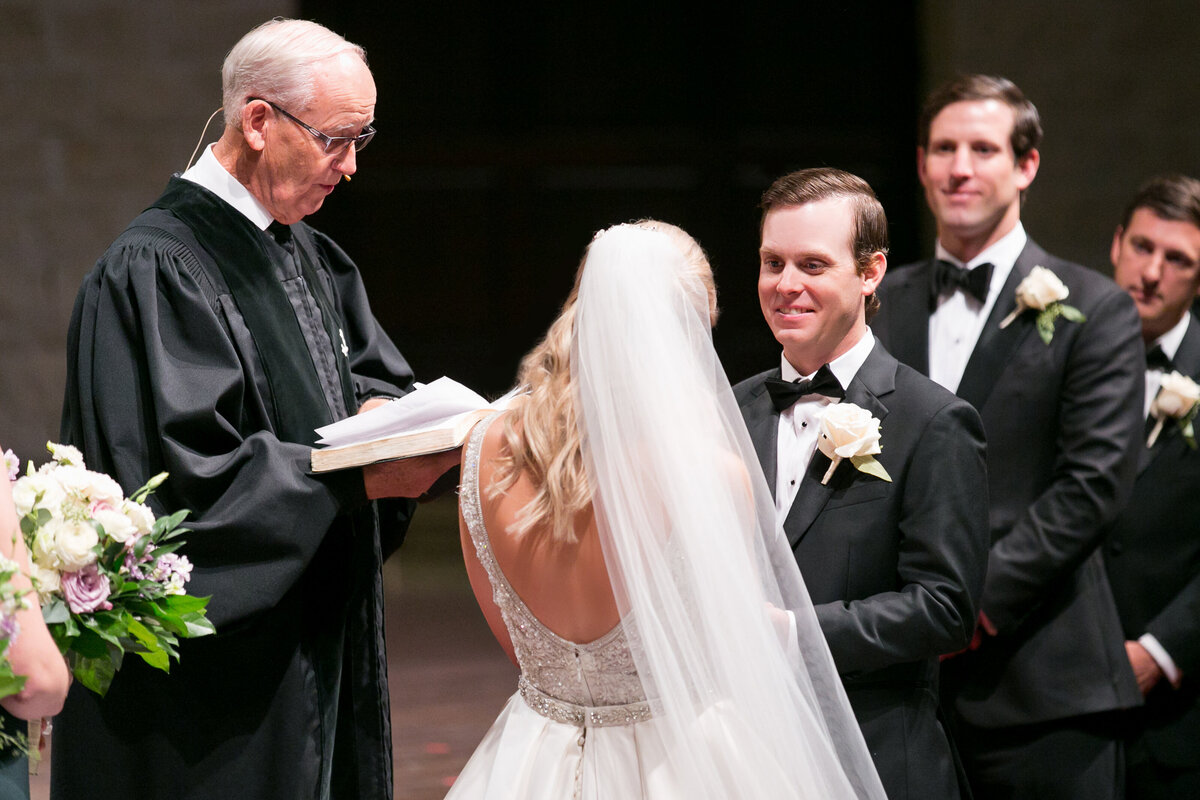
{"x": 621, "y": 541}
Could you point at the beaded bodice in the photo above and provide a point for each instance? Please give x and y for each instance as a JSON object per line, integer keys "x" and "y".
{"x": 561, "y": 679}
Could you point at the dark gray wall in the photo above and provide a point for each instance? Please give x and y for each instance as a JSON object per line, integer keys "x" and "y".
{"x": 1116, "y": 85}
{"x": 507, "y": 138}
{"x": 102, "y": 100}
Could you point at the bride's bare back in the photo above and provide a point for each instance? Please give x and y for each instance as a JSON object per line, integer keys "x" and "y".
{"x": 565, "y": 585}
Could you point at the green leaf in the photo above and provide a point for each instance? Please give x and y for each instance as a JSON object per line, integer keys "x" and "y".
{"x": 1045, "y": 325}
{"x": 183, "y": 603}
{"x": 95, "y": 673}
{"x": 55, "y": 611}
{"x": 154, "y": 654}
{"x": 164, "y": 525}
{"x": 10, "y": 684}
{"x": 870, "y": 466}
{"x": 1189, "y": 433}
{"x": 1071, "y": 313}
{"x": 89, "y": 644}
{"x": 158, "y": 659}
{"x": 198, "y": 626}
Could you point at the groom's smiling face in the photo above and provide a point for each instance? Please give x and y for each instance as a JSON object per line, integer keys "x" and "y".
{"x": 811, "y": 290}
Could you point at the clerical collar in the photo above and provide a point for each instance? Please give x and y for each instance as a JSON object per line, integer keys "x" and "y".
{"x": 844, "y": 367}
{"x": 1170, "y": 341}
{"x": 1002, "y": 254}
{"x": 208, "y": 172}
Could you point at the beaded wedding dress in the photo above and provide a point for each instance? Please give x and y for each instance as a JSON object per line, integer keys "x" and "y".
{"x": 700, "y": 691}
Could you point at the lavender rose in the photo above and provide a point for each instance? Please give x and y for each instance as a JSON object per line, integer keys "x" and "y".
{"x": 86, "y": 590}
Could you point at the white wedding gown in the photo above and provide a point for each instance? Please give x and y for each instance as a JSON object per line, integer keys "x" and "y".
{"x": 579, "y": 725}
{"x": 717, "y": 684}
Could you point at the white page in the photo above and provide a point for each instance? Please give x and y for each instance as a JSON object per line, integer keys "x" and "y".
{"x": 421, "y": 408}
{"x": 425, "y": 407}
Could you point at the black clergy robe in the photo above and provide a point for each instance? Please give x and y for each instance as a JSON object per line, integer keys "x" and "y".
{"x": 202, "y": 346}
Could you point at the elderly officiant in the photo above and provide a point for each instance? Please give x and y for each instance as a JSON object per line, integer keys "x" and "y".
{"x": 209, "y": 341}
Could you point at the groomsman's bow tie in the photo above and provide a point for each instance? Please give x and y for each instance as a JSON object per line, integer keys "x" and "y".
{"x": 784, "y": 394}
{"x": 1157, "y": 359}
{"x": 949, "y": 277}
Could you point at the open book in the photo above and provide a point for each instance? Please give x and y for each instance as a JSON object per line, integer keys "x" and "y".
{"x": 434, "y": 417}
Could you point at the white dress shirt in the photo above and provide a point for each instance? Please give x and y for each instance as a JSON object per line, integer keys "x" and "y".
{"x": 799, "y": 424}
{"x": 209, "y": 173}
{"x": 956, "y": 323}
{"x": 1169, "y": 342}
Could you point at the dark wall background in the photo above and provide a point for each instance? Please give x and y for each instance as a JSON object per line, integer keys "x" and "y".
{"x": 511, "y": 132}
{"x": 508, "y": 137}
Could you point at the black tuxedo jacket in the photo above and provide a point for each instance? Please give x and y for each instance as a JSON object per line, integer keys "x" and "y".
{"x": 894, "y": 569}
{"x": 1063, "y": 425}
{"x": 1153, "y": 560}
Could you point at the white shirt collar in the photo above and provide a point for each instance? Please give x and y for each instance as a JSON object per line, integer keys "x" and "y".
{"x": 1002, "y": 253}
{"x": 1170, "y": 341}
{"x": 209, "y": 173}
{"x": 844, "y": 367}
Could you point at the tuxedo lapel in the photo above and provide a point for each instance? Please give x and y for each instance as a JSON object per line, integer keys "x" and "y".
{"x": 875, "y": 378}
{"x": 762, "y": 421}
{"x": 996, "y": 345}
{"x": 1187, "y": 362}
{"x": 908, "y": 321}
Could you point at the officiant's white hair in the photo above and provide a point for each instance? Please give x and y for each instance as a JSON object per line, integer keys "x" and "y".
{"x": 274, "y": 61}
{"x": 541, "y": 436}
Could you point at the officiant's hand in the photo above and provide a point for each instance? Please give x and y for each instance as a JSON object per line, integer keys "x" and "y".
{"x": 408, "y": 477}
{"x": 374, "y": 402}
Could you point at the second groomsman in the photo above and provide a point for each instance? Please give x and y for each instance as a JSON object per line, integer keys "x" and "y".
{"x": 1050, "y": 354}
{"x": 1153, "y": 553}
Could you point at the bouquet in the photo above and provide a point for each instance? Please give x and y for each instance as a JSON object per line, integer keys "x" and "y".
{"x": 105, "y": 570}
{"x": 11, "y": 601}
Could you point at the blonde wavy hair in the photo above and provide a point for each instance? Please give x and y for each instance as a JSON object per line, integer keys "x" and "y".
{"x": 540, "y": 438}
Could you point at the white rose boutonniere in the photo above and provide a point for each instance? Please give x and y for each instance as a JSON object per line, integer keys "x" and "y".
{"x": 850, "y": 432}
{"x": 1179, "y": 399}
{"x": 1042, "y": 291}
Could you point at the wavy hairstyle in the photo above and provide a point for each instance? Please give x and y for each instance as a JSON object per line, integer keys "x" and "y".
{"x": 541, "y": 438}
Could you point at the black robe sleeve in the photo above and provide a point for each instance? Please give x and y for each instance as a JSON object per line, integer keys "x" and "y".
{"x": 162, "y": 375}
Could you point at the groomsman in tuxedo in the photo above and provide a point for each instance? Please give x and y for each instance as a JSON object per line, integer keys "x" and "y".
{"x": 1153, "y": 550}
{"x": 1049, "y": 352}
{"x": 893, "y": 558}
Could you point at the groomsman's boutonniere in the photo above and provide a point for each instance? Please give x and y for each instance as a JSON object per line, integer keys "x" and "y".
{"x": 850, "y": 432}
{"x": 1042, "y": 291}
{"x": 1177, "y": 399}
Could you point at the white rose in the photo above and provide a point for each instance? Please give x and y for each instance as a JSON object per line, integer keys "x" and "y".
{"x": 1177, "y": 395}
{"x": 43, "y": 545}
{"x": 140, "y": 515}
{"x": 847, "y": 431}
{"x": 117, "y": 526}
{"x": 90, "y": 486}
{"x": 26, "y": 490}
{"x": 73, "y": 543}
{"x": 65, "y": 453}
{"x": 1041, "y": 288}
{"x": 47, "y": 582}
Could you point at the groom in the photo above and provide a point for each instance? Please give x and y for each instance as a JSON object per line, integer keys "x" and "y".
{"x": 893, "y": 558}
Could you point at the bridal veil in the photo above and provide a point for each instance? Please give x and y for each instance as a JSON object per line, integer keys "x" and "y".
{"x": 742, "y": 686}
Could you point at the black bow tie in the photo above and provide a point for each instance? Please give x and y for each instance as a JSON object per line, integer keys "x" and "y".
{"x": 1157, "y": 359}
{"x": 784, "y": 394}
{"x": 949, "y": 277}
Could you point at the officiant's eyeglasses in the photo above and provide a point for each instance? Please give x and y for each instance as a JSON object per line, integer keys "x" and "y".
{"x": 334, "y": 145}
